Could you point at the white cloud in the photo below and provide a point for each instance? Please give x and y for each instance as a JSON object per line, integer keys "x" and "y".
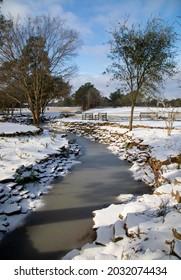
{"x": 51, "y": 7}
{"x": 172, "y": 89}
{"x": 110, "y": 12}
{"x": 101, "y": 82}
{"x": 15, "y": 8}
{"x": 72, "y": 20}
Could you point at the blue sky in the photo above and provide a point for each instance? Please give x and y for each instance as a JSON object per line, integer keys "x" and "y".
{"x": 93, "y": 19}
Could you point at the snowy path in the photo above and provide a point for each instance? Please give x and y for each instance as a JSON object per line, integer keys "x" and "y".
{"x": 65, "y": 221}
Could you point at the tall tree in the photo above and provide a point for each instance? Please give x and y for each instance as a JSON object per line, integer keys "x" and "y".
{"x": 34, "y": 50}
{"x": 87, "y": 96}
{"x": 141, "y": 57}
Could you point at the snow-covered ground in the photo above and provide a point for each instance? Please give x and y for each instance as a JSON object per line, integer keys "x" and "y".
{"x": 138, "y": 227}
{"x": 27, "y": 167}
{"x": 122, "y": 114}
{"x": 12, "y": 128}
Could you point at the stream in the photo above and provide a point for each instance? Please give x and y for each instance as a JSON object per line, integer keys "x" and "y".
{"x": 65, "y": 221}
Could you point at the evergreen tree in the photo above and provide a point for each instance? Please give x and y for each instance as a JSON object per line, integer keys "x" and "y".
{"x": 87, "y": 96}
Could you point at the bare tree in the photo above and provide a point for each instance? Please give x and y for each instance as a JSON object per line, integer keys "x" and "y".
{"x": 142, "y": 57}
{"x": 34, "y": 49}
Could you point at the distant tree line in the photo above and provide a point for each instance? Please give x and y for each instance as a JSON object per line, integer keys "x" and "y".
{"x": 118, "y": 99}
{"x": 88, "y": 97}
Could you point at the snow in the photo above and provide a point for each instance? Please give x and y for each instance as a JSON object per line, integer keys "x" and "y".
{"x": 11, "y": 128}
{"x": 121, "y": 114}
{"x": 137, "y": 227}
{"x": 18, "y": 151}
{"x": 26, "y": 158}
{"x": 144, "y": 233}
{"x": 162, "y": 146}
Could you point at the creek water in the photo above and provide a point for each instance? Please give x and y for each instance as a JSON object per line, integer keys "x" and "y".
{"x": 65, "y": 221}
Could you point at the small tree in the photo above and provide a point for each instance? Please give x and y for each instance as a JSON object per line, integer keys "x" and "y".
{"x": 169, "y": 116}
{"x": 141, "y": 58}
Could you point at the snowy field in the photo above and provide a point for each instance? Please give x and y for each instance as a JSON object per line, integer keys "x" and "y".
{"x": 121, "y": 115}
{"x": 138, "y": 227}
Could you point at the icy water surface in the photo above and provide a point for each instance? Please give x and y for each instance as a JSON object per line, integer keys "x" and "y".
{"x": 65, "y": 221}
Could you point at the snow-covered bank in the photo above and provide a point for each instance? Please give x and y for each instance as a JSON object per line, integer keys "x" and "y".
{"x": 144, "y": 227}
{"x": 147, "y": 227}
{"x": 15, "y": 128}
{"x": 28, "y": 165}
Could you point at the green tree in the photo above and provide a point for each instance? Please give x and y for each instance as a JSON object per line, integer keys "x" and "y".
{"x": 115, "y": 98}
{"x": 141, "y": 57}
{"x": 87, "y": 96}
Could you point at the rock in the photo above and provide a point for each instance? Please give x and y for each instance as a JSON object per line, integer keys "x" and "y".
{"x": 15, "y": 192}
{"x": 177, "y": 232}
{"x": 104, "y": 235}
{"x": 164, "y": 189}
{"x": 17, "y": 198}
{"x": 5, "y": 223}
{"x": 11, "y": 209}
{"x": 178, "y": 207}
{"x": 3, "y": 228}
{"x": 22, "y": 193}
{"x": 12, "y": 185}
{"x": 143, "y": 147}
{"x": 71, "y": 254}
{"x": 156, "y": 164}
{"x": 19, "y": 187}
{"x": 133, "y": 224}
{"x": 177, "y": 248}
{"x": 24, "y": 210}
{"x": 2, "y": 195}
{"x": 7, "y": 180}
{"x": 2, "y": 200}
{"x": 176, "y": 192}
{"x": 148, "y": 179}
{"x": 177, "y": 181}
{"x": 119, "y": 231}
{"x": 178, "y": 196}
{"x": 32, "y": 196}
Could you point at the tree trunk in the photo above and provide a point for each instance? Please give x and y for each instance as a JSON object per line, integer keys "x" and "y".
{"x": 134, "y": 98}
{"x": 131, "y": 116}
{"x": 36, "y": 119}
